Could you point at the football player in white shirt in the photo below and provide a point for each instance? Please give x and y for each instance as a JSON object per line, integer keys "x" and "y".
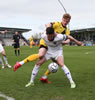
{"x": 2, "y": 51}
{"x": 55, "y": 52}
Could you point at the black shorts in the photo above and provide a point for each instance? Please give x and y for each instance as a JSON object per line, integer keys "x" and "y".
{"x": 42, "y": 46}
{"x": 17, "y": 45}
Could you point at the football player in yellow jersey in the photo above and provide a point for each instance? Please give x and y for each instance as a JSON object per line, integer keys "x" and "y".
{"x": 58, "y": 27}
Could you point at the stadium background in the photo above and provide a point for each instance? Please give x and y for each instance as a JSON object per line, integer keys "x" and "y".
{"x": 80, "y": 60}
{"x": 87, "y": 35}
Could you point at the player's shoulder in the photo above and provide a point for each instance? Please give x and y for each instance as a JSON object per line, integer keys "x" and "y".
{"x": 59, "y": 35}
{"x": 57, "y": 23}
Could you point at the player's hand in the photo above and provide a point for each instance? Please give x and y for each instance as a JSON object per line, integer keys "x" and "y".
{"x": 80, "y": 44}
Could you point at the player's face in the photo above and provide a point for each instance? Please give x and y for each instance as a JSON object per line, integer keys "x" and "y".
{"x": 50, "y": 37}
{"x": 65, "y": 21}
{"x": 16, "y": 33}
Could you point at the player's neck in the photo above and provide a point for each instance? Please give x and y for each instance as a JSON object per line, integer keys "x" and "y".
{"x": 63, "y": 25}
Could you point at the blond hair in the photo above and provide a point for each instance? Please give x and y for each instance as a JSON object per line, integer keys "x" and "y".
{"x": 67, "y": 16}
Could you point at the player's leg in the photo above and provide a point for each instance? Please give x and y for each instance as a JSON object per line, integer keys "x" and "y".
{"x": 15, "y": 49}
{"x": 60, "y": 62}
{"x": 35, "y": 71}
{"x": 44, "y": 78}
{"x": 33, "y": 57}
{"x": 18, "y": 51}
{"x": 47, "y": 72}
{"x": 42, "y": 52}
{"x": 1, "y": 61}
{"x": 30, "y": 58}
{"x": 5, "y": 59}
{"x": 18, "y": 48}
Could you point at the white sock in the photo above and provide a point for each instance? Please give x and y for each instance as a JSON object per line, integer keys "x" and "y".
{"x": 44, "y": 77}
{"x": 21, "y": 62}
{"x": 5, "y": 59}
{"x": 68, "y": 74}
{"x": 34, "y": 73}
{"x": 1, "y": 61}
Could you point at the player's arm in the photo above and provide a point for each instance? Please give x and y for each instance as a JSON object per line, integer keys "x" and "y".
{"x": 22, "y": 37}
{"x": 52, "y": 24}
{"x": 76, "y": 41}
{"x": 68, "y": 40}
{"x": 19, "y": 38}
{"x": 13, "y": 40}
{"x": 48, "y": 25}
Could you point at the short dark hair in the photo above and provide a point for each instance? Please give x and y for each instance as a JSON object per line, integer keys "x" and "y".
{"x": 49, "y": 30}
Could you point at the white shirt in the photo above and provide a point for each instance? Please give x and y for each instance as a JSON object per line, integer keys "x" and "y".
{"x": 56, "y": 43}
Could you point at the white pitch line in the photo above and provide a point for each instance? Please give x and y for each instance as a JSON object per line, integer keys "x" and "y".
{"x": 89, "y": 52}
{"x": 6, "y": 97}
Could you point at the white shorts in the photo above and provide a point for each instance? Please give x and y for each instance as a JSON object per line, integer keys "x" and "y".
{"x": 1, "y": 48}
{"x": 53, "y": 55}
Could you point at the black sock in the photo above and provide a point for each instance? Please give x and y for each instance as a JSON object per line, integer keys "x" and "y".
{"x": 16, "y": 52}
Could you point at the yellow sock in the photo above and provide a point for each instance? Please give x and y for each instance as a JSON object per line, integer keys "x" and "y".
{"x": 47, "y": 72}
{"x": 31, "y": 58}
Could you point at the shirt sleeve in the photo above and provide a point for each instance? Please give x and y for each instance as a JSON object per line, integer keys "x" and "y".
{"x": 65, "y": 37}
{"x": 55, "y": 24}
{"x": 19, "y": 37}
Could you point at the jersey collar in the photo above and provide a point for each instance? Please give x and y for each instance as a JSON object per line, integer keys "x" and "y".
{"x": 62, "y": 25}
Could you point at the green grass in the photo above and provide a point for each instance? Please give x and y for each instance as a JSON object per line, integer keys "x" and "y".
{"x": 81, "y": 65}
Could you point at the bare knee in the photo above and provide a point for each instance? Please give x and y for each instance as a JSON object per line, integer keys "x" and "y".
{"x": 3, "y": 53}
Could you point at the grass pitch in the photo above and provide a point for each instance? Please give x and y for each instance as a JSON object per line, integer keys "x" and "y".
{"x": 80, "y": 61}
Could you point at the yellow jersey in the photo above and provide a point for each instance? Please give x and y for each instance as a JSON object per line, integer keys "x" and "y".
{"x": 59, "y": 28}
